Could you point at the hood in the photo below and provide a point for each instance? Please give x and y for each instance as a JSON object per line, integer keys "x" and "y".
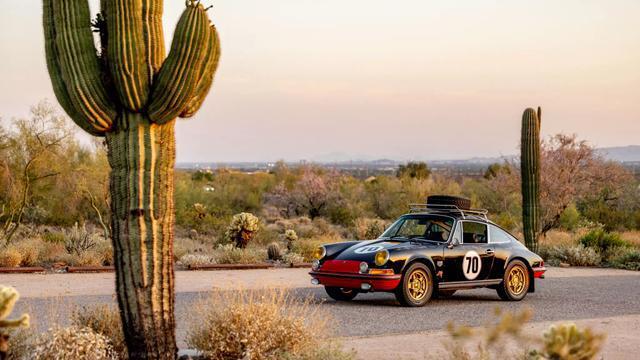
{"x": 366, "y": 250}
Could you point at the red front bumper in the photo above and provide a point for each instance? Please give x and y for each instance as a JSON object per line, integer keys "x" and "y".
{"x": 346, "y": 274}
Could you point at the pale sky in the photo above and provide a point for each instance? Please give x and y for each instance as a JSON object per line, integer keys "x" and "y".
{"x": 404, "y": 79}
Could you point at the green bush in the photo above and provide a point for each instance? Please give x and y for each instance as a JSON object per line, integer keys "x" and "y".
{"x": 602, "y": 241}
{"x": 573, "y": 255}
{"x": 626, "y": 259}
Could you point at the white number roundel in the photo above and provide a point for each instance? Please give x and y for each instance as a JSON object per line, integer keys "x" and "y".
{"x": 368, "y": 249}
{"x": 471, "y": 265}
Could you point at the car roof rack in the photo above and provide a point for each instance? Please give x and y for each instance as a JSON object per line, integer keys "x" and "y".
{"x": 447, "y": 209}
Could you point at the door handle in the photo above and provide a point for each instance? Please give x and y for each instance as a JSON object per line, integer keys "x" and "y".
{"x": 489, "y": 252}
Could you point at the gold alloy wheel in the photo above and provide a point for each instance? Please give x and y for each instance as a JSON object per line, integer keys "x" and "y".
{"x": 418, "y": 284}
{"x": 517, "y": 280}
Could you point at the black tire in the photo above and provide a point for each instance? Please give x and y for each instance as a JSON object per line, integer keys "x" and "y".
{"x": 511, "y": 292}
{"x": 443, "y": 294}
{"x": 461, "y": 203}
{"x": 341, "y": 294}
{"x": 406, "y": 294}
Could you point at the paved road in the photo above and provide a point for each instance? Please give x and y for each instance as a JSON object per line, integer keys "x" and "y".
{"x": 562, "y": 298}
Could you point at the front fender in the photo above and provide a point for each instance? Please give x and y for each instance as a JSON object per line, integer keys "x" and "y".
{"x": 421, "y": 258}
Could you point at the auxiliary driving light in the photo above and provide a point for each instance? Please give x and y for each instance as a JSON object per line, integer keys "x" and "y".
{"x": 365, "y": 286}
{"x": 315, "y": 265}
{"x": 382, "y": 257}
{"x": 364, "y": 267}
{"x": 315, "y": 281}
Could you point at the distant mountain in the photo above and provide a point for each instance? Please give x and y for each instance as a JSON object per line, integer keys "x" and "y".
{"x": 621, "y": 153}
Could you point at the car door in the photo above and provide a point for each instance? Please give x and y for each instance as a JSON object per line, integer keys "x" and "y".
{"x": 471, "y": 257}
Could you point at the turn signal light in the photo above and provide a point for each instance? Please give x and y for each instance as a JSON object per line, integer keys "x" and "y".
{"x": 381, "y": 272}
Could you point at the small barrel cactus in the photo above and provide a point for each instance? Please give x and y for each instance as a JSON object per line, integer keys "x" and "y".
{"x": 291, "y": 237}
{"x": 273, "y": 251}
{"x": 242, "y": 229}
{"x": 8, "y": 298}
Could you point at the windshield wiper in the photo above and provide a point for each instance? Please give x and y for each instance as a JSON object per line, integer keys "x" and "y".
{"x": 428, "y": 240}
{"x": 395, "y": 237}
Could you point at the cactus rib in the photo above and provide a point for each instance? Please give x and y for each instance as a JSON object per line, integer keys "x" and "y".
{"x": 126, "y": 53}
{"x": 177, "y": 78}
{"x": 79, "y": 64}
{"x": 206, "y": 79}
{"x": 153, "y": 35}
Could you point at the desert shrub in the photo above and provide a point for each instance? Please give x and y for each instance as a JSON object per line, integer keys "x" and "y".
{"x": 577, "y": 255}
{"x": 183, "y": 246}
{"x": 292, "y": 258}
{"x": 260, "y": 325}
{"x": 305, "y": 247}
{"x": 626, "y": 258}
{"x": 196, "y": 259}
{"x": 51, "y": 252}
{"x": 104, "y": 320}
{"x": 229, "y": 254}
{"x": 104, "y": 252}
{"x": 489, "y": 341}
{"x": 29, "y": 251}
{"x": 54, "y": 237}
{"x": 367, "y": 229}
{"x": 242, "y": 228}
{"x": 559, "y": 342}
{"x": 78, "y": 240}
{"x": 602, "y": 241}
{"x": 73, "y": 343}
{"x": 10, "y": 256}
{"x": 568, "y": 342}
{"x": 20, "y": 344}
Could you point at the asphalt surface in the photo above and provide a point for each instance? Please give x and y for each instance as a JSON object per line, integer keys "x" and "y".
{"x": 555, "y": 299}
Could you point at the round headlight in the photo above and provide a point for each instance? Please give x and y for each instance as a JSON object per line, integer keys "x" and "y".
{"x": 382, "y": 257}
{"x": 364, "y": 267}
{"x": 315, "y": 265}
{"x": 319, "y": 252}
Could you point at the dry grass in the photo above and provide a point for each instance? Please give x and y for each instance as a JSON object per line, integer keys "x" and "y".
{"x": 105, "y": 320}
{"x": 10, "y": 257}
{"x": 306, "y": 247}
{"x": 632, "y": 237}
{"x": 257, "y": 325}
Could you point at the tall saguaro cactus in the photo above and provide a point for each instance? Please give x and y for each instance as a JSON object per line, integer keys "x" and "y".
{"x": 530, "y": 170}
{"x": 130, "y": 94}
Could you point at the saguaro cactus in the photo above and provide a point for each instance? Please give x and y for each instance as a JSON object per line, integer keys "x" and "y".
{"x": 530, "y": 170}
{"x": 130, "y": 94}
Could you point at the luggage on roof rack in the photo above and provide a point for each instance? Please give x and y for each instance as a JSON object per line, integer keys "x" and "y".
{"x": 449, "y": 205}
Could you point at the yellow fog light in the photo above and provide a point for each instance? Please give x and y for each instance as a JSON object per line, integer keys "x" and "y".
{"x": 319, "y": 252}
{"x": 382, "y": 257}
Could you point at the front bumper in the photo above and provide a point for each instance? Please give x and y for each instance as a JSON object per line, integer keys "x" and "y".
{"x": 356, "y": 281}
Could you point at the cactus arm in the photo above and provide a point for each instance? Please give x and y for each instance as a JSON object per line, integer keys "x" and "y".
{"x": 126, "y": 52}
{"x": 177, "y": 79}
{"x": 153, "y": 35}
{"x": 206, "y": 79}
{"x": 57, "y": 82}
{"x": 23, "y": 321}
{"x": 530, "y": 169}
{"x": 78, "y": 62}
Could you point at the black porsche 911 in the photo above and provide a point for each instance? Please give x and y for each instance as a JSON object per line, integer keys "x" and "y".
{"x": 435, "y": 250}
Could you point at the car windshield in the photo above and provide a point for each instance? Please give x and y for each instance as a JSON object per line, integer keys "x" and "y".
{"x": 425, "y": 227}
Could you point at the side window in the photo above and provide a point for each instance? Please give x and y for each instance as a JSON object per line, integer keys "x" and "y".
{"x": 499, "y": 236}
{"x": 474, "y": 233}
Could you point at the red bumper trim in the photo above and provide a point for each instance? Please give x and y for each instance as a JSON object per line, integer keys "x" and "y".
{"x": 538, "y": 273}
{"x": 354, "y": 281}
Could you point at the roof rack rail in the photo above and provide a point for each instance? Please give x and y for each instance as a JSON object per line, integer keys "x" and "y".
{"x": 438, "y": 208}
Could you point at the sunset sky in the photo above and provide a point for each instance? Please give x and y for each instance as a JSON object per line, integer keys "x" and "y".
{"x": 405, "y": 79}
